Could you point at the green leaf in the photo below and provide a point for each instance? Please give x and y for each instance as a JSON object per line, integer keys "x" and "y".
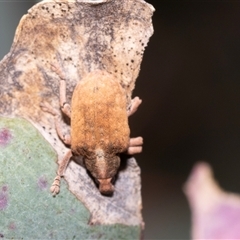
{"x": 27, "y": 208}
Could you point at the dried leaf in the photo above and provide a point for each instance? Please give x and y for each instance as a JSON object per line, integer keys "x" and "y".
{"x": 80, "y": 37}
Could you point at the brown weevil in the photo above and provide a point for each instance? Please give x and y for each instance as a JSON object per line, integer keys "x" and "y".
{"x": 99, "y": 127}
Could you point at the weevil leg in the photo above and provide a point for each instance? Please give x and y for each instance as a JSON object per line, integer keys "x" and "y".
{"x": 66, "y": 138}
{"x": 134, "y": 105}
{"x": 55, "y": 188}
{"x": 65, "y": 107}
{"x": 135, "y": 146}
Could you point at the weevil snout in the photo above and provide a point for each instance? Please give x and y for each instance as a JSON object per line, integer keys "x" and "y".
{"x": 105, "y": 186}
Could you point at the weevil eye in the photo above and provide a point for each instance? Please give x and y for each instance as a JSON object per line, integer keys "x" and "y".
{"x": 105, "y": 186}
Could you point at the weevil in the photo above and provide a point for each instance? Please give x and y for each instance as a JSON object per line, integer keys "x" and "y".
{"x": 100, "y": 132}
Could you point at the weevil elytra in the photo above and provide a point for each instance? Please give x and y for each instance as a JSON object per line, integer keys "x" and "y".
{"x": 99, "y": 127}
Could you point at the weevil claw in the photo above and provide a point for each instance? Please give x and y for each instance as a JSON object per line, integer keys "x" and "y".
{"x": 55, "y": 188}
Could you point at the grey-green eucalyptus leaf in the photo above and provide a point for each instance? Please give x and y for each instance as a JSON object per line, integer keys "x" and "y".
{"x": 27, "y": 208}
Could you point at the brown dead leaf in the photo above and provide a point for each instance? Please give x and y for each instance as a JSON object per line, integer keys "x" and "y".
{"x": 80, "y": 37}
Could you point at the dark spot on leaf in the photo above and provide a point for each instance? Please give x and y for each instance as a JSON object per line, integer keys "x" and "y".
{"x": 4, "y": 188}
{"x": 3, "y": 200}
{"x": 1, "y": 235}
{"x": 42, "y": 183}
{"x": 5, "y": 137}
{"x": 72, "y": 211}
{"x": 12, "y": 226}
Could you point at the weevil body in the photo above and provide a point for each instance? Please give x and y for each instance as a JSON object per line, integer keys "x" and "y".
{"x": 99, "y": 127}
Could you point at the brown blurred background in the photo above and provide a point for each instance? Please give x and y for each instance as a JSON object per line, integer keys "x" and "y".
{"x": 190, "y": 86}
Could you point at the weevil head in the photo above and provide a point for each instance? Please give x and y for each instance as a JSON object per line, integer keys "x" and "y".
{"x": 105, "y": 186}
{"x": 103, "y": 167}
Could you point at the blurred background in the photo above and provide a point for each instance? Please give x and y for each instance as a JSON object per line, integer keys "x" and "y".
{"x": 190, "y": 86}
